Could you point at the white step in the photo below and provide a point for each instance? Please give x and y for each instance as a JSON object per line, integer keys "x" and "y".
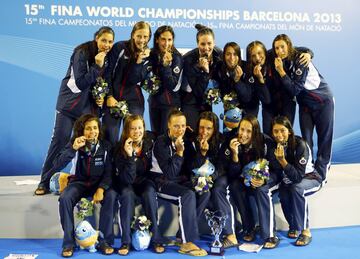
{"x": 23, "y": 215}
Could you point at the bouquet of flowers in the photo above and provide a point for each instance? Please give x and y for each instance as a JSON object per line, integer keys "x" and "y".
{"x": 202, "y": 179}
{"x": 85, "y": 209}
{"x": 120, "y": 110}
{"x": 258, "y": 169}
{"x": 230, "y": 101}
{"x": 151, "y": 83}
{"x": 212, "y": 96}
{"x": 100, "y": 89}
{"x": 141, "y": 236}
{"x": 202, "y": 183}
{"x": 141, "y": 223}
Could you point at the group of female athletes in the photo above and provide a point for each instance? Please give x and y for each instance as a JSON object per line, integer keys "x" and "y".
{"x": 114, "y": 168}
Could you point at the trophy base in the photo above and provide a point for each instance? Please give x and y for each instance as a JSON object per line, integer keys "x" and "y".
{"x": 217, "y": 250}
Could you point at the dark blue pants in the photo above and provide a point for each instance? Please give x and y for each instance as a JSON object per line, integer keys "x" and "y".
{"x": 68, "y": 200}
{"x": 240, "y": 194}
{"x": 220, "y": 196}
{"x": 125, "y": 199}
{"x": 192, "y": 113}
{"x": 61, "y": 136}
{"x": 268, "y": 113}
{"x": 294, "y": 203}
{"x": 322, "y": 120}
{"x": 185, "y": 199}
{"x": 221, "y": 192}
{"x": 112, "y": 125}
{"x": 264, "y": 202}
{"x": 159, "y": 116}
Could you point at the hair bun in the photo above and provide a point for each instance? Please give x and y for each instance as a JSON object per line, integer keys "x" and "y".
{"x": 200, "y": 27}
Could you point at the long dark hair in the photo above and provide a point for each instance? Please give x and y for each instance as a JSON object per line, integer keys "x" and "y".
{"x": 131, "y": 44}
{"x": 160, "y": 31}
{"x": 119, "y": 149}
{"x": 249, "y": 48}
{"x": 79, "y": 126}
{"x": 257, "y": 138}
{"x": 236, "y": 48}
{"x": 210, "y": 116}
{"x": 291, "y": 144}
{"x": 90, "y": 47}
{"x": 291, "y": 49}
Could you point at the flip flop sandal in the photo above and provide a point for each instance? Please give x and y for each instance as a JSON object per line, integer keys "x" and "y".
{"x": 41, "y": 191}
{"x": 105, "y": 248}
{"x": 292, "y": 234}
{"x": 124, "y": 250}
{"x": 274, "y": 241}
{"x": 249, "y": 236}
{"x": 67, "y": 252}
{"x": 194, "y": 252}
{"x": 305, "y": 240}
{"x": 159, "y": 248}
{"x": 227, "y": 243}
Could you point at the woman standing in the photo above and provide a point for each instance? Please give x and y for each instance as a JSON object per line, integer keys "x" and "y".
{"x": 300, "y": 179}
{"x": 162, "y": 78}
{"x": 124, "y": 87}
{"x": 233, "y": 79}
{"x": 316, "y": 102}
{"x": 87, "y": 63}
{"x": 262, "y": 75}
{"x": 199, "y": 66}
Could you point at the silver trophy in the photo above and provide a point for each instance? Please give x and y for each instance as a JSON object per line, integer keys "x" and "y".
{"x": 216, "y": 221}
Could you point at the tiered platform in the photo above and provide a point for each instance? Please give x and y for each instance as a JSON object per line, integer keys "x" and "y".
{"x": 24, "y": 215}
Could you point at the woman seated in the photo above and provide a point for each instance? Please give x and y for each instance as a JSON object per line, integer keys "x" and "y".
{"x": 91, "y": 161}
{"x": 132, "y": 161}
{"x": 300, "y": 178}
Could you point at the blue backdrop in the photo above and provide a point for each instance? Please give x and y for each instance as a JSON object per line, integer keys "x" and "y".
{"x": 37, "y": 38}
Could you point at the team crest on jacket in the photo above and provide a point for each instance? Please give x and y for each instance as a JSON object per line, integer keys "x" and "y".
{"x": 251, "y": 80}
{"x": 227, "y": 152}
{"x": 176, "y": 70}
{"x": 302, "y": 161}
{"x": 298, "y": 72}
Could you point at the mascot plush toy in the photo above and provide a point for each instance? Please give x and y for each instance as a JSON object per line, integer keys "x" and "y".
{"x": 58, "y": 182}
{"x": 85, "y": 234}
{"x": 231, "y": 119}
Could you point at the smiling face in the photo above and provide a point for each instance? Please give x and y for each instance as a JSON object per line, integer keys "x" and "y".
{"x": 257, "y": 55}
{"x": 281, "y": 133}
{"x": 206, "y": 129}
{"x": 165, "y": 41}
{"x": 177, "y": 126}
{"x": 281, "y": 49}
{"x": 141, "y": 38}
{"x": 91, "y": 131}
{"x": 206, "y": 45}
{"x": 231, "y": 57}
{"x": 245, "y": 132}
{"x": 136, "y": 130}
{"x": 105, "y": 42}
